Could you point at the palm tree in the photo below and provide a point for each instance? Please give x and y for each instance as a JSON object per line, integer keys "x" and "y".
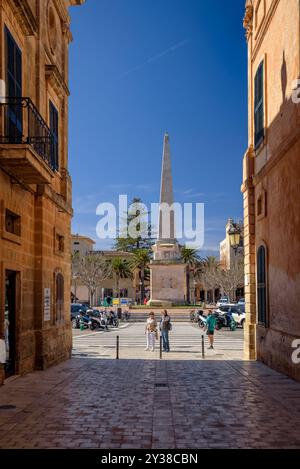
{"x": 190, "y": 257}
{"x": 140, "y": 261}
{"x": 121, "y": 269}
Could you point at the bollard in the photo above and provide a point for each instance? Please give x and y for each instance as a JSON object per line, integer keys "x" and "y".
{"x": 203, "y": 352}
{"x": 118, "y": 346}
{"x": 160, "y": 347}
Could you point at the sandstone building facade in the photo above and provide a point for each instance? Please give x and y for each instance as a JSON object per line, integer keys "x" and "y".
{"x": 271, "y": 181}
{"x": 129, "y": 287}
{"x": 35, "y": 186}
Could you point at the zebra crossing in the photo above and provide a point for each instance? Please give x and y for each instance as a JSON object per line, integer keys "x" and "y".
{"x": 185, "y": 341}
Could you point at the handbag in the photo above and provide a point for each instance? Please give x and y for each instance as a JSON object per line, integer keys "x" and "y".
{"x": 169, "y": 326}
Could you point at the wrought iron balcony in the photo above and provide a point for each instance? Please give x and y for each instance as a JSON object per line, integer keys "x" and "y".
{"x": 27, "y": 144}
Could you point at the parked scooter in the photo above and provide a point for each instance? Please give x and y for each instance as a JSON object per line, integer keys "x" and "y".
{"x": 225, "y": 320}
{"x": 202, "y": 320}
{"x": 194, "y": 315}
{"x": 113, "y": 321}
{"x": 82, "y": 321}
{"x": 125, "y": 316}
{"x": 95, "y": 322}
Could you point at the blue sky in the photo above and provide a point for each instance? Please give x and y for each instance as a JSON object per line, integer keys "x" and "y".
{"x": 139, "y": 68}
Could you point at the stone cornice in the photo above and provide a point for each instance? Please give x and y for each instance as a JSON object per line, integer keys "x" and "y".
{"x": 76, "y": 2}
{"x": 62, "y": 10}
{"x": 54, "y": 77}
{"x": 24, "y": 16}
{"x": 66, "y": 31}
{"x": 248, "y": 169}
{"x": 281, "y": 151}
{"x": 58, "y": 199}
{"x": 248, "y": 19}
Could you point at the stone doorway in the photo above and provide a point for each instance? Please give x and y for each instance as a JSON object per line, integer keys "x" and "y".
{"x": 10, "y": 321}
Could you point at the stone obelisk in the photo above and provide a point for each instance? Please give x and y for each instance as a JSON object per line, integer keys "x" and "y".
{"x": 166, "y": 225}
{"x": 168, "y": 272}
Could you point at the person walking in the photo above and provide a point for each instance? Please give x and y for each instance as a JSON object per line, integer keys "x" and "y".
{"x": 105, "y": 319}
{"x": 211, "y": 325}
{"x": 151, "y": 332}
{"x": 165, "y": 327}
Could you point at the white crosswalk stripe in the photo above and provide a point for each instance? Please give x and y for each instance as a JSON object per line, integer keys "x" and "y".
{"x": 184, "y": 337}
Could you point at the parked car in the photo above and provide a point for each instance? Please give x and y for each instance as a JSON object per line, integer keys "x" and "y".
{"x": 241, "y": 301}
{"x": 223, "y": 301}
{"x": 224, "y": 308}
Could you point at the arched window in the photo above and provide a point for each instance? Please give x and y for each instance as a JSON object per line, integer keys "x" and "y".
{"x": 261, "y": 286}
{"x": 59, "y": 298}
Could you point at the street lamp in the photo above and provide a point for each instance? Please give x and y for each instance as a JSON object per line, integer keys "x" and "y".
{"x": 195, "y": 299}
{"x": 75, "y": 286}
{"x": 141, "y": 284}
{"x": 234, "y": 237}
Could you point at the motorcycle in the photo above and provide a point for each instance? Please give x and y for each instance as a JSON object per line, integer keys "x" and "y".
{"x": 225, "y": 320}
{"x": 82, "y": 321}
{"x": 125, "y": 316}
{"x": 202, "y": 320}
{"x": 193, "y": 316}
{"x": 95, "y": 320}
{"x": 113, "y": 321}
{"x": 95, "y": 323}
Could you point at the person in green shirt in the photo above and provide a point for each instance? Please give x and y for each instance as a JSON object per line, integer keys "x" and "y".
{"x": 210, "y": 326}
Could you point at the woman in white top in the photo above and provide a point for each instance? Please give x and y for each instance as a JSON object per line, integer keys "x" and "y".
{"x": 151, "y": 332}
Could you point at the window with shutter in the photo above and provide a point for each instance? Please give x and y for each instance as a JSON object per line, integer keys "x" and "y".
{"x": 14, "y": 117}
{"x": 54, "y": 132}
{"x": 261, "y": 286}
{"x": 259, "y": 105}
{"x": 59, "y": 303}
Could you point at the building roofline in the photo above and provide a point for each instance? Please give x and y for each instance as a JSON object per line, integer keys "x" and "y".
{"x": 114, "y": 253}
{"x": 86, "y": 238}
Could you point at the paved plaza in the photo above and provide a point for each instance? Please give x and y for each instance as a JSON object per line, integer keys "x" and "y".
{"x": 94, "y": 401}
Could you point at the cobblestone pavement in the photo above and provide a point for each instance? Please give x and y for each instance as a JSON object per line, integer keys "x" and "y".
{"x": 185, "y": 341}
{"x": 118, "y": 404}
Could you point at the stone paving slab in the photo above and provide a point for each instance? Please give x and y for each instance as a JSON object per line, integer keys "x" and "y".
{"x": 116, "y": 404}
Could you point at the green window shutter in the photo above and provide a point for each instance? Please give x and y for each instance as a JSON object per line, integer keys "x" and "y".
{"x": 261, "y": 286}
{"x": 259, "y": 105}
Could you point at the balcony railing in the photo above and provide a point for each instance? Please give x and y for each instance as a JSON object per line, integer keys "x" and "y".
{"x": 23, "y": 124}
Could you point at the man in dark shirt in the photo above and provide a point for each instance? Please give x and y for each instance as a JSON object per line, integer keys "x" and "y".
{"x": 165, "y": 326}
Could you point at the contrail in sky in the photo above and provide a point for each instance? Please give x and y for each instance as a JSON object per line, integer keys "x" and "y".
{"x": 159, "y": 56}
